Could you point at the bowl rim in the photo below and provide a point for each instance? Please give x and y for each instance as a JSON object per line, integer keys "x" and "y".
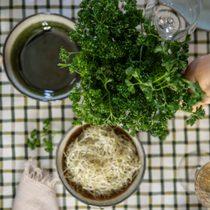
{"x": 89, "y": 204}
{"x": 3, "y": 54}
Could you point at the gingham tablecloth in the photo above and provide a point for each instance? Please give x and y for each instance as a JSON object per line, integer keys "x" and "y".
{"x": 19, "y": 115}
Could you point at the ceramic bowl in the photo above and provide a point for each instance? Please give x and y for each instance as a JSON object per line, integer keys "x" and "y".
{"x": 35, "y": 84}
{"x": 94, "y": 202}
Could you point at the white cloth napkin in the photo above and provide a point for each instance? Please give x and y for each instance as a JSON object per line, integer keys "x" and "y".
{"x": 36, "y": 190}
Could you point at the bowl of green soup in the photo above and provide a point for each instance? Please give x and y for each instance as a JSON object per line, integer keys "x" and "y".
{"x": 31, "y": 57}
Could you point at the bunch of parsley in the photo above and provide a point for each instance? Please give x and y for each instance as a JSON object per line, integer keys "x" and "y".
{"x": 129, "y": 77}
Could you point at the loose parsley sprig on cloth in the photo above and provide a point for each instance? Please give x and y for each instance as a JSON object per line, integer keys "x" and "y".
{"x": 36, "y": 138}
{"x": 128, "y": 77}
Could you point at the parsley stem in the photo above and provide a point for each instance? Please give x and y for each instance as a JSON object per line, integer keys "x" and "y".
{"x": 72, "y": 53}
{"x": 158, "y": 79}
{"x": 166, "y": 74}
{"x": 161, "y": 83}
{"x": 139, "y": 83}
{"x": 164, "y": 96}
{"x": 160, "y": 88}
{"x": 154, "y": 116}
{"x": 104, "y": 95}
{"x": 110, "y": 106}
{"x": 82, "y": 75}
{"x": 190, "y": 84}
{"x": 63, "y": 65}
{"x": 53, "y": 133}
{"x": 163, "y": 40}
{"x": 187, "y": 81}
{"x": 141, "y": 56}
{"x": 142, "y": 30}
{"x": 143, "y": 116}
{"x": 95, "y": 18}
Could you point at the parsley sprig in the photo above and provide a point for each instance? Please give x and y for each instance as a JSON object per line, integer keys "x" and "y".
{"x": 35, "y": 137}
{"x": 129, "y": 77}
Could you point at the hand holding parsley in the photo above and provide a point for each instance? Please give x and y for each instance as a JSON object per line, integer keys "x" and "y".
{"x": 128, "y": 77}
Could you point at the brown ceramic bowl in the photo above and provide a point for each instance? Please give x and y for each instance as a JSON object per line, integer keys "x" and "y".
{"x": 94, "y": 202}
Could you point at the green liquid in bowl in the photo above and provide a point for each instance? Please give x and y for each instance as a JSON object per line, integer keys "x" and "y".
{"x": 35, "y": 58}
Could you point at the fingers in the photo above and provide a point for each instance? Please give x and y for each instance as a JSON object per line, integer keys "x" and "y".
{"x": 198, "y": 105}
{"x": 1, "y": 60}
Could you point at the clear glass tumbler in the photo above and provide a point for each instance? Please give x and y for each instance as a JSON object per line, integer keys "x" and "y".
{"x": 173, "y": 19}
{"x": 202, "y": 185}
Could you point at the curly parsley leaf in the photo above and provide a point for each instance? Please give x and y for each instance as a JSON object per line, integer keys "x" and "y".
{"x": 34, "y": 142}
{"x": 198, "y": 115}
{"x": 46, "y": 125}
{"x": 30, "y": 144}
{"x": 76, "y": 122}
{"x": 33, "y": 133}
{"x": 48, "y": 145}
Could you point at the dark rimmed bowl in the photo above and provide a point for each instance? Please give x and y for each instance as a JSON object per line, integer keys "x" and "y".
{"x": 19, "y": 35}
{"x": 93, "y": 202}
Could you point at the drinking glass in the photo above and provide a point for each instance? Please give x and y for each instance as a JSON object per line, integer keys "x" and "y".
{"x": 173, "y": 19}
{"x": 189, "y": 165}
{"x": 202, "y": 185}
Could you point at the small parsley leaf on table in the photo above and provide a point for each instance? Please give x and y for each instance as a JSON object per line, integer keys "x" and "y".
{"x": 36, "y": 137}
{"x": 46, "y": 125}
{"x": 48, "y": 145}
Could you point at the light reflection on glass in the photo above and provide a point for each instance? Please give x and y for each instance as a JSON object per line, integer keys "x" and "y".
{"x": 48, "y": 93}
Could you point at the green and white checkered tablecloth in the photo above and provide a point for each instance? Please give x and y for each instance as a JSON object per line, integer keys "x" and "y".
{"x": 161, "y": 187}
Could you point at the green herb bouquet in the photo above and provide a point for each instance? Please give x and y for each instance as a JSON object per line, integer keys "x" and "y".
{"x": 128, "y": 77}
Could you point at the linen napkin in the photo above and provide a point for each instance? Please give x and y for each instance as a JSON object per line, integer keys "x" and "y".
{"x": 36, "y": 189}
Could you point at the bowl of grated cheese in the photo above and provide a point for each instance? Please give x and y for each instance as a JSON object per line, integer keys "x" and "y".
{"x": 100, "y": 166}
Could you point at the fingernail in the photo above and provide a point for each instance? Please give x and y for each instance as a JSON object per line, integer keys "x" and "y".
{"x": 1, "y": 60}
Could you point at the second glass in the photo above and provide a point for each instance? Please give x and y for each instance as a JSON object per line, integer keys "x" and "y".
{"x": 202, "y": 185}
